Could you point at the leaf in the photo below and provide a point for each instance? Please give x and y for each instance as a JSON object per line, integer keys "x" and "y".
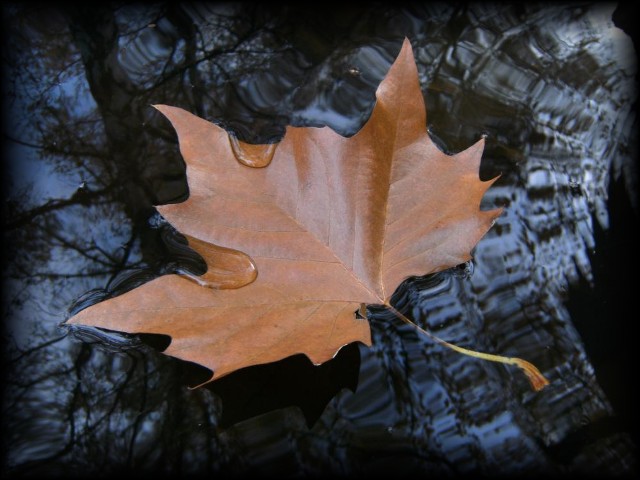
{"x": 330, "y": 223}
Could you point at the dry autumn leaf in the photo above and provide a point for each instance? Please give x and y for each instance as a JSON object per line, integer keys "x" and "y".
{"x": 330, "y": 223}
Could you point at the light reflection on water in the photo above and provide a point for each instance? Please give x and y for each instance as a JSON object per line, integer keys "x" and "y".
{"x": 551, "y": 86}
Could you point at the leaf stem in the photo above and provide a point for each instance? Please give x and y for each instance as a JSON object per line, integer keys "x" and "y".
{"x": 537, "y": 380}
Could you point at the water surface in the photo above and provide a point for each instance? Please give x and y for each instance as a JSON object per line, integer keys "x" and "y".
{"x": 86, "y": 158}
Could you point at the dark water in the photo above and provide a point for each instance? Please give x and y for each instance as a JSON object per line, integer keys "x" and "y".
{"x": 86, "y": 158}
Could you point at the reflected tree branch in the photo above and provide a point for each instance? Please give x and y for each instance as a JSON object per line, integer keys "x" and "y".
{"x": 34, "y": 349}
{"x": 81, "y": 197}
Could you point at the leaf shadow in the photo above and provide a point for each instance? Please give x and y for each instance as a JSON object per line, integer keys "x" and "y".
{"x": 291, "y": 382}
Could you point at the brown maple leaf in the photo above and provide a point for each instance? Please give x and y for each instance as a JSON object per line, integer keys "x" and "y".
{"x": 331, "y": 224}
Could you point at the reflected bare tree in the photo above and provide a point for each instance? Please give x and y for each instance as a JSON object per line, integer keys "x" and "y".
{"x": 91, "y": 235}
{"x": 90, "y": 157}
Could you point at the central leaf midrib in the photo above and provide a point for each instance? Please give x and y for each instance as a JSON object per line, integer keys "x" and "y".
{"x": 325, "y": 246}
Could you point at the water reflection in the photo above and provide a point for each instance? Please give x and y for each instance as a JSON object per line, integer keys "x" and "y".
{"x": 551, "y": 86}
